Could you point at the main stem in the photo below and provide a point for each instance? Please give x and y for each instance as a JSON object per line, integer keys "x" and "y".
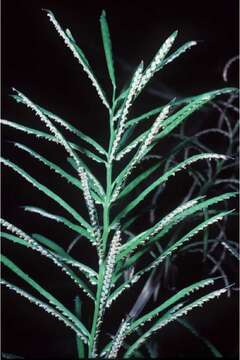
{"x": 106, "y": 230}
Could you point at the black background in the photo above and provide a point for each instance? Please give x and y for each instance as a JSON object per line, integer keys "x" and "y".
{"x": 36, "y": 62}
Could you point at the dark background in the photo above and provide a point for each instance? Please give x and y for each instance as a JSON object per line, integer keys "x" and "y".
{"x": 36, "y": 62}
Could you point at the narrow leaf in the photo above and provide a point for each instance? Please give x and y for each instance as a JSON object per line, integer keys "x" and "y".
{"x": 163, "y": 226}
{"x": 80, "y": 343}
{"x": 59, "y": 219}
{"x": 52, "y": 300}
{"x": 186, "y": 324}
{"x": 27, "y": 241}
{"x": 47, "y": 192}
{"x": 163, "y": 179}
{"x": 78, "y": 54}
{"x": 66, "y": 125}
{"x": 107, "y": 47}
{"x": 170, "y": 301}
{"x": 44, "y": 306}
{"x": 172, "y": 316}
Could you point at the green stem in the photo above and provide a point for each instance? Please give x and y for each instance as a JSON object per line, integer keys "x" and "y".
{"x": 79, "y": 342}
{"x": 96, "y": 309}
{"x": 105, "y": 235}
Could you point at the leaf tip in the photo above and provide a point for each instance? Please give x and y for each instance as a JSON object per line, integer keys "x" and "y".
{"x": 175, "y": 34}
{"x": 103, "y": 14}
{"x": 47, "y": 10}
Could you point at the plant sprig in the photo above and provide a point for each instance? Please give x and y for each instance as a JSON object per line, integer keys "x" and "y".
{"x": 106, "y": 283}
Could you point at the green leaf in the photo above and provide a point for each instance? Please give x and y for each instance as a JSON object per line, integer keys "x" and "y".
{"x": 178, "y": 52}
{"x": 161, "y": 180}
{"x": 52, "y": 300}
{"x": 66, "y": 125}
{"x": 57, "y": 260}
{"x": 107, "y": 47}
{"x": 172, "y": 316}
{"x": 64, "y": 174}
{"x": 50, "y": 244}
{"x": 44, "y": 306}
{"x": 171, "y": 249}
{"x": 138, "y": 180}
{"x": 165, "y": 225}
{"x": 79, "y": 55}
{"x": 47, "y": 192}
{"x": 158, "y": 59}
{"x": 65, "y": 255}
{"x": 78, "y": 312}
{"x": 174, "y": 120}
{"x": 59, "y": 219}
{"x": 157, "y": 110}
{"x": 95, "y": 185}
{"x": 37, "y": 133}
{"x": 122, "y": 95}
{"x": 170, "y": 301}
{"x": 167, "y": 252}
{"x": 186, "y": 324}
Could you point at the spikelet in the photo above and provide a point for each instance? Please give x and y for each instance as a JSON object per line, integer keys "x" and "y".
{"x": 183, "y": 311}
{"x": 178, "y": 244}
{"x": 92, "y": 211}
{"x": 60, "y": 139}
{"x": 172, "y": 122}
{"x": 81, "y": 172}
{"x": 37, "y": 247}
{"x": 158, "y": 123}
{"x": 142, "y": 150}
{"x": 70, "y": 45}
{"x": 195, "y": 304}
{"x": 76, "y": 264}
{"x": 49, "y": 125}
{"x": 193, "y": 159}
{"x": 56, "y": 169}
{"x": 157, "y": 60}
{"x": 191, "y": 290}
{"x": 43, "y": 213}
{"x": 45, "y": 307}
{"x": 110, "y": 263}
{"x": 87, "y": 271}
{"x": 170, "y": 216}
{"x": 122, "y": 122}
{"x": 119, "y": 338}
{"x": 155, "y": 263}
{"x": 117, "y": 115}
{"x": 29, "y": 131}
{"x": 180, "y": 51}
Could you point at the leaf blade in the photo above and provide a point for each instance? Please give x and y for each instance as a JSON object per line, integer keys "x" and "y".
{"x": 47, "y": 192}
{"x": 13, "y": 267}
{"x": 107, "y": 45}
